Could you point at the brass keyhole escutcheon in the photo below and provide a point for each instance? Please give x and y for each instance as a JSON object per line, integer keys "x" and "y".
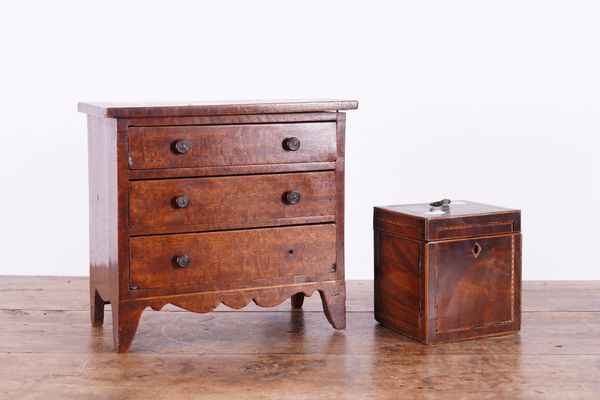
{"x": 476, "y": 250}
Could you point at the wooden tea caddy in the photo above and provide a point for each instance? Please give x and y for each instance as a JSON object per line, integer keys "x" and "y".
{"x": 447, "y": 271}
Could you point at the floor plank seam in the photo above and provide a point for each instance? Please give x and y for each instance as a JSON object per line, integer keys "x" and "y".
{"x": 280, "y": 311}
{"x": 286, "y": 354}
{"x": 187, "y": 312}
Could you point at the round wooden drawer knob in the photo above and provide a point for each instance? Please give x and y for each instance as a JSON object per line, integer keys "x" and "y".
{"x": 291, "y": 144}
{"x": 292, "y": 197}
{"x": 182, "y": 146}
{"x": 182, "y": 201}
{"x": 182, "y": 261}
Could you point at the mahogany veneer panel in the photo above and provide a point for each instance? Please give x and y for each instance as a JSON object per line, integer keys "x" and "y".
{"x": 229, "y": 202}
{"x": 230, "y": 145}
{"x": 233, "y": 256}
{"x": 474, "y": 291}
{"x": 181, "y": 109}
{"x": 398, "y": 279}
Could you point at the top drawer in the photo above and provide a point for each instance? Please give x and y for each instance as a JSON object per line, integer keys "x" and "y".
{"x": 231, "y": 145}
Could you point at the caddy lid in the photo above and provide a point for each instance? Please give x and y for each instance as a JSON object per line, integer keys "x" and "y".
{"x": 446, "y": 219}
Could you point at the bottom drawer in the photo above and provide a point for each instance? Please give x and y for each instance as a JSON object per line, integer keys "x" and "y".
{"x": 230, "y": 256}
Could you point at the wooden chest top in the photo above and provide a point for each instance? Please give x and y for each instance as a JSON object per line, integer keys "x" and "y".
{"x": 199, "y": 108}
{"x": 459, "y": 219}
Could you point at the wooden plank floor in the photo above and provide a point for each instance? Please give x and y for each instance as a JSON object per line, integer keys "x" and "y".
{"x": 50, "y": 351}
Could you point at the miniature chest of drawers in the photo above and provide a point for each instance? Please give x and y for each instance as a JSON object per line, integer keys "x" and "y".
{"x": 201, "y": 204}
{"x": 448, "y": 272}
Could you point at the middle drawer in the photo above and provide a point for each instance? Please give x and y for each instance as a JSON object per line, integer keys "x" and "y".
{"x": 201, "y": 204}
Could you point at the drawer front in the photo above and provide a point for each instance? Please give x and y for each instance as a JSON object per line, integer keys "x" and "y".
{"x": 197, "y": 204}
{"x": 232, "y": 256}
{"x": 475, "y": 282}
{"x": 231, "y": 145}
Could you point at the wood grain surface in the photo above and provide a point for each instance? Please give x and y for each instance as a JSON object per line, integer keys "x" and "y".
{"x": 230, "y": 202}
{"x": 475, "y": 291}
{"x": 446, "y": 274}
{"x": 199, "y": 108}
{"x": 230, "y": 145}
{"x": 50, "y": 351}
{"x": 214, "y": 256}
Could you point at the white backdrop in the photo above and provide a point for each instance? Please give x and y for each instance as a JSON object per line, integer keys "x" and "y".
{"x": 490, "y": 101}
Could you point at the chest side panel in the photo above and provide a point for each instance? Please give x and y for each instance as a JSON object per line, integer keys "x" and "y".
{"x": 398, "y": 284}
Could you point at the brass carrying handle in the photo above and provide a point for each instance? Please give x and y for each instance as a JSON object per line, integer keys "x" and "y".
{"x": 441, "y": 203}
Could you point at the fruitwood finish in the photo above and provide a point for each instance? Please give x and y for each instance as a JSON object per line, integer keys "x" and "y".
{"x": 448, "y": 276}
{"x": 49, "y": 351}
{"x": 201, "y": 204}
{"x": 301, "y": 251}
{"x": 230, "y": 202}
{"x": 186, "y": 109}
{"x": 229, "y": 145}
